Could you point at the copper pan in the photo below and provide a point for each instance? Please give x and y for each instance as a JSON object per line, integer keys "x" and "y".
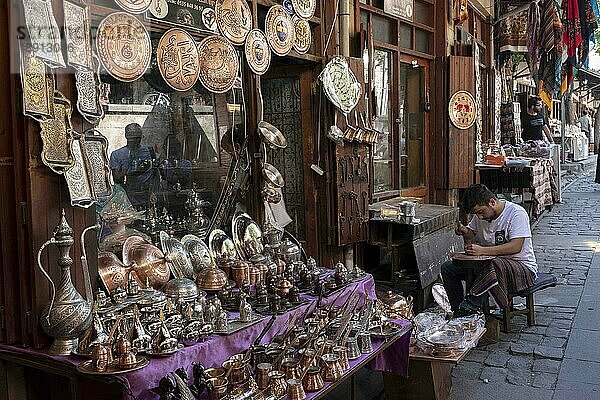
{"x": 150, "y": 264}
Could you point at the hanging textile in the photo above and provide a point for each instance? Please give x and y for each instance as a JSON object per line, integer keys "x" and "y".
{"x": 572, "y": 26}
{"x": 595, "y": 8}
{"x": 513, "y": 32}
{"x": 532, "y": 34}
{"x": 588, "y": 25}
{"x": 552, "y": 52}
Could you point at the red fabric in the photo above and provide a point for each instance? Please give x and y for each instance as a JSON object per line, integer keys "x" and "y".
{"x": 572, "y": 34}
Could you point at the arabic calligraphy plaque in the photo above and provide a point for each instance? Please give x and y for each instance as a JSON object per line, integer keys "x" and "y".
{"x": 43, "y": 31}
{"x": 257, "y": 52}
{"x": 219, "y": 64}
{"x": 38, "y": 85}
{"x": 305, "y": 8}
{"x": 77, "y": 178}
{"x": 134, "y": 6}
{"x": 303, "y": 36}
{"x": 234, "y": 19}
{"x": 177, "y": 57}
{"x": 56, "y": 136}
{"x": 123, "y": 46}
{"x": 279, "y": 30}
{"x": 77, "y": 35}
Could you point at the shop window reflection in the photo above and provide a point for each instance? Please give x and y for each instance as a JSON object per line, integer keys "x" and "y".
{"x": 382, "y": 153}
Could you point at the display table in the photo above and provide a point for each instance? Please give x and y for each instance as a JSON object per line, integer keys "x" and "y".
{"x": 390, "y": 355}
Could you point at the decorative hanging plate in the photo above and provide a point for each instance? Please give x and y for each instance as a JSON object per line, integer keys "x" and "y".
{"x": 340, "y": 84}
{"x": 177, "y": 57}
{"x": 303, "y": 35}
{"x": 43, "y": 31}
{"x": 305, "y": 8}
{"x": 88, "y": 94}
{"x": 279, "y": 30}
{"x": 123, "y": 46}
{"x": 462, "y": 109}
{"x": 134, "y": 6}
{"x": 234, "y": 19}
{"x": 77, "y": 35}
{"x": 258, "y": 53}
{"x": 38, "y": 85}
{"x": 78, "y": 179}
{"x": 57, "y": 134}
{"x": 95, "y": 152}
{"x": 219, "y": 64}
{"x": 159, "y": 8}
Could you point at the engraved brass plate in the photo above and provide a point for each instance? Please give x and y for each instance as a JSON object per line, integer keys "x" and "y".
{"x": 305, "y": 8}
{"x": 303, "y": 37}
{"x": 43, "y": 31}
{"x": 234, "y": 19}
{"x": 258, "y": 53}
{"x": 77, "y": 177}
{"x": 77, "y": 35}
{"x": 56, "y": 136}
{"x": 88, "y": 95}
{"x": 38, "y": 85}
{"x": 219, "y": 64}
{"x": 134, "y": 6}
{"x": 177, "y": 57}
{"x": 95, "y": 152}
{"x": 279, "y": 30}
{"x": 123, "y": 46}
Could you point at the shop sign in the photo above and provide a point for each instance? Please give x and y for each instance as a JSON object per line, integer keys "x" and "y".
{"x": 191, "y": 14}
{"x": 462, "y": 109}
{"x": 400, "y": 8}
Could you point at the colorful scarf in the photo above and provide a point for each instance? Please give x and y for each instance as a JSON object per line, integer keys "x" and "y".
{"x": 533, "y": 33}
{"x": 587, "y": 20}
{"x": 572, "y": 27}
{"x": 553, "y": 52}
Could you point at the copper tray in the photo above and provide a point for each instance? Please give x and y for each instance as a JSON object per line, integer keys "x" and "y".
{"x": 56, "y": 136}
{"x": 88, "y": 84}
{"x": 77, "y": 35}
{"x": 234, "y": 19}
{"x": 279, "y": 30}
{"x": 38, "y": 85}
{"x": 113, "y": 369}
{"x": 468, "y": 257}
{"x": 134, "y": 6}
{"x": 43, "y": 31}
{"x": 177, "y": 57}
{"x": 303, "y": 35}
{"x": 258, "y": 52}
{"x": 219, "y": 64}
{"x": 96, "y": 155}
{"x": 123, "y": 46}
{"x": 305, "y": 8}
{"x": 78, "y": 178}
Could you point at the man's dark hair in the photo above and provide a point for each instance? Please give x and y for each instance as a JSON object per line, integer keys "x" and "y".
{"x": 476, "y": 195}
{"x": 532, "y": 101}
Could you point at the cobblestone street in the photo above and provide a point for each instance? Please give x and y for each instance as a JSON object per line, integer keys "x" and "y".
{"x": 559, "y": 357}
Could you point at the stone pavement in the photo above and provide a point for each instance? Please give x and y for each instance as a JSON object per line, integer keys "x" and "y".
{"x": 559, "y": 357}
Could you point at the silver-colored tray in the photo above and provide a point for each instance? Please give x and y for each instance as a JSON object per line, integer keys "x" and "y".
{"x": 235, "y": 325}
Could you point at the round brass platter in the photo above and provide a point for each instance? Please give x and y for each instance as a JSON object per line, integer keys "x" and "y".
{"x": 177, "y": 57}
{"x": 219, "y": 64}
{"x": 257, "y": 52}
{"x": 123, "y": 46}
{"x": 303, "y": 35}
{"x": 279, "y": 30}
{"x": 305, "y": 8}
{"x": 234, "y": 19}
{"x": 134, "y": 6}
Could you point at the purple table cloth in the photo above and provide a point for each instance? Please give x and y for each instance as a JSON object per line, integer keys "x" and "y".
{"x": 214, "y": 351}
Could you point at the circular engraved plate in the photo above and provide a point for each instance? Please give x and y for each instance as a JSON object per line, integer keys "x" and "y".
{"x": 279, "y": 30}
{"x": 303, "y": 35}
{"x": 159, "y": 8}
{"x": 219, "y": 64}
{"x": 257, "y": 52}
{"x": 177, "y": 57}
{"x": 234, "y": 19}
{"x": 305, "y": 8}
{"x": 134, "y": 6}
{"x": 209, "y": 19}
{"x": 462, "y": 109}
{"x": 123, "y": 46}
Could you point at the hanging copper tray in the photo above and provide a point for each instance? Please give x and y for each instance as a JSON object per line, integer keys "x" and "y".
{"x": 77, "y": 35}
{"x": 134, "y": 6}
{"x": 234, "y": 19}
{"x": 279, "y": 30}
{"x": 305, "y": 8}
{"x": 96, "y": 154}
{"x": 219, "y": 64}
{"x": 303, "y": 35}
{"x": 177, "y": 57}
{"x": 123, "y": 46}
{"x": 88, "y": 94}
{"x": 38, "y": 85}
{"x": 43, "y": 31}
{"x": 258, "y": 52}
{"x": 78, "y": 178}
{"x": 57, "y": 134}
{"x": 340, "y": 84}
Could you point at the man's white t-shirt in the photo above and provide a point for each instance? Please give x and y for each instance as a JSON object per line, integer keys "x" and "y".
{"x": 512, "y": 223}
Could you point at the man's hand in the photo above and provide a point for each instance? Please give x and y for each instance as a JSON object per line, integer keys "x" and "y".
{"x": 462, "y": 230}
{"x": 474, "y": 250}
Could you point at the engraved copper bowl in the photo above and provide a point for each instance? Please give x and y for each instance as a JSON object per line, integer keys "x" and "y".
{"x": 211, "y": 279}
{"x": 271, "y": 136}
{"x": 150, "y": 263}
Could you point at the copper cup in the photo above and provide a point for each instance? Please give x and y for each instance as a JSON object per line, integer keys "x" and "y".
{"x": 342, "y": 353}
{"x": 240, "y": 272}
{"x": 313, "y": 381}
{"x": 290, "y": 366}
{"x": 353, "y": 349}
{"x": 364, "y": 340}
{"x": 272, "y": 353}
{"x": 307, "y": 358}
{"x": 215, "y": 372}
{"x": 262, "y": 375}
{"x": 259, "y": 355}
{"x": 332, "y": 370}
{"x": 295, "y": 391}
{"x": 217, "y": 388}
{"x": 277, "y": 383}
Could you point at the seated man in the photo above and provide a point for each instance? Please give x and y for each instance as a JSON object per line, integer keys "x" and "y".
{"x": 497, "y": 228}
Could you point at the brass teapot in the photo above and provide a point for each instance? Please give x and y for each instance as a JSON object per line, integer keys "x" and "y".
{"x": 398, "y": 303}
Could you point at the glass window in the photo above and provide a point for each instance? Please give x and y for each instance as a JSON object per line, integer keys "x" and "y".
{"x": 382, "y": 151}
{"x": 423, "y": 13}
{"x": 383, "y": 29}
{"x": 412, "y": 126}
{"x": 422, "y": 41}
{"x": 405, "y": 36}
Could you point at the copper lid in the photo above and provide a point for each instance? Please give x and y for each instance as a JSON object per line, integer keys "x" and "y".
{"x": 177, "y": 57}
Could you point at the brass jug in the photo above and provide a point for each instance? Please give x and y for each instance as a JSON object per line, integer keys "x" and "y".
{"x": 68, "y": 314}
